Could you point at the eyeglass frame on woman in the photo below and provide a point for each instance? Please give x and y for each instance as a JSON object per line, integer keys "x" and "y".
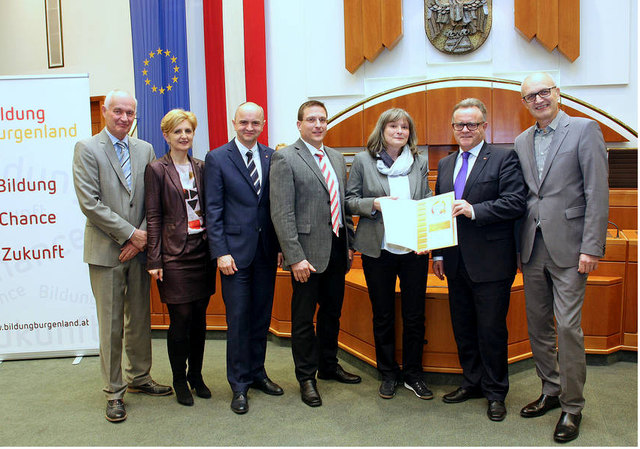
{"x": 470, "y": 126}
{"x": 544, "y": 93}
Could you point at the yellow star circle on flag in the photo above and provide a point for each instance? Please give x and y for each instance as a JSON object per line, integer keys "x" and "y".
{"x": 148, "y": 68}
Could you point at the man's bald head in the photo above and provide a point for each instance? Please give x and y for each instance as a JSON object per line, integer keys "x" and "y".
{"x": 248, "y": 123}
{"x": 541, "y": 97}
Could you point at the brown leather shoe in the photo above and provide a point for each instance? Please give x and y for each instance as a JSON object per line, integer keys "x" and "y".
{"x": 152, "y": 388}
{"x": 540, "y": 406}
{"x": 116, "y": 411}
{"x": 309, "y": 393}
{"x": 568, "y": 427}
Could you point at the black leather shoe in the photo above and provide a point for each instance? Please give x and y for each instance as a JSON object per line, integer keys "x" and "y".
{"x": 340, "y": 375}
{"x": 309, "y": 393}
{"x": 197, "y": 383}
{"x": 116, "y": 411}
{"x": 183, "y": 394}
{"x": 540, "y": 406}
{"x": 268, "y": 386}
{"x": 460, "y": 395}
{"x": 152, "y": 388}
{"x": 240, "y": 403}
{"x": 387, "y": 389}
{"x": 496, "y": 411}
{"x": 568, "y": 427}
{"x": 419, "y": 388}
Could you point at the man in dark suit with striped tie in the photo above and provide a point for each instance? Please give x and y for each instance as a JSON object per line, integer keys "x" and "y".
{"x": 242, "y": 239}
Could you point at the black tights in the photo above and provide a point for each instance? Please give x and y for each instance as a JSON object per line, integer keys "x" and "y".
{"x": 185, "y": 338}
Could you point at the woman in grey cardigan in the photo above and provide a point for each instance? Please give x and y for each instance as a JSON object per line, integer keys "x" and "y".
{"x": 391, "y": 167}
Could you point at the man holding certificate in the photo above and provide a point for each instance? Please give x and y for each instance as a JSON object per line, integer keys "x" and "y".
{"x": 490, "y": 196}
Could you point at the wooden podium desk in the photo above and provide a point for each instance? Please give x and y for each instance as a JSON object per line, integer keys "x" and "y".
{"x": 609, "y": 317}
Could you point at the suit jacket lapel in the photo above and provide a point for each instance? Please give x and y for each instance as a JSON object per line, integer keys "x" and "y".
{"x": 529, "y": 163}
{"x": 478, "y": 166}
{"x": 558, "y": 136}
{"x": 264, "y": 161}
{"x": 414, "y": 178}
{"x": 446, "y": 178}
{"x": 107, "y": 147}
{"x": 198, "y": 178}
{"x": 306, "y": 156}
{"x": 238, "y": 161}
{"x": 172, "y": 171}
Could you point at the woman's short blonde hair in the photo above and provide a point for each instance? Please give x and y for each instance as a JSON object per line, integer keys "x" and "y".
{"x": 176, "y": 116}
{"x": 376, "y": 143}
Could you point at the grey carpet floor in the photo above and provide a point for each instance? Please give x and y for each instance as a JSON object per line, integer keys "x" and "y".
{"x": 52, "y": 402}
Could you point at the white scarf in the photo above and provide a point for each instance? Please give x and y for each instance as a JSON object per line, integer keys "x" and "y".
{"x": 401, "y": 166}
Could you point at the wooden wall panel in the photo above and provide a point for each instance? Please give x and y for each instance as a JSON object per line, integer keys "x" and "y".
{"x": 509, "y": 117}
{"x": 547, "y": 18}
{"x": 97, "y": 120}
{"x": 437, "y": 152}
{"x": 608, "y": 134}
{"x": 347, "y": 133}
{"x": 631, "y": 299}
{"x": 372, "y": 24}
{"x": 601, "y": 312}
{"x": 431, "y": 112}
{"x": 353, "y": 35}
{"x": 526, "y": 17}
{"x": 158, "y": 310}
{"x": 391, "y": 14}
{"x": 415, "y": 104}
{"x": 623, "y": 208}
{"x": 616, "y": 247}
{"x": 569, "y": 28}
{"x": 440, "y": 103}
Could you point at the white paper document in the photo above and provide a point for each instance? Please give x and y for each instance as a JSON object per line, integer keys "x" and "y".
{"x": 420, "y": 225}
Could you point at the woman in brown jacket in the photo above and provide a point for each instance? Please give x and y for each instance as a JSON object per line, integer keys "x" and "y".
{"x": 177, "y": 250}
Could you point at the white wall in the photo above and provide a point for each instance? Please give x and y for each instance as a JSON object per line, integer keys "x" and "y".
{"x": 305, "y": 54}
{"x": 93, "y": 31}
{"x": 312, "y": 66}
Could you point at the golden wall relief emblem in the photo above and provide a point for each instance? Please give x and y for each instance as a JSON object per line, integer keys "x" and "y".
{"x": 457, "y": 26}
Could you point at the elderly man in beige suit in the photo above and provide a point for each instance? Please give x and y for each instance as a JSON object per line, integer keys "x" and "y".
{"x": 563, "y": 234}
{"x": 108, "y": 175}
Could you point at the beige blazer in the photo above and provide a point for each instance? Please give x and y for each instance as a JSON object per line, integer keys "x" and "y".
{"x": 112, "y": 210}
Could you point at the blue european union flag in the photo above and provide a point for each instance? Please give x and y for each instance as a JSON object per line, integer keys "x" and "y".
{"x": 159, "y": 33}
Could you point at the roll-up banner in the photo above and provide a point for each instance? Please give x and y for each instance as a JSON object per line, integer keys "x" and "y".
{"x": 46, "y": 305}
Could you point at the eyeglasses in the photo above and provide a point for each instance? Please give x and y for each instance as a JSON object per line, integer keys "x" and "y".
{"x": 544, "y": 93}
{"x": 313, "y": 120}
{"x": 470, "y": 126}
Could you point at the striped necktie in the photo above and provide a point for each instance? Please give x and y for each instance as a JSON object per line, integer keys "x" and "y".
{"x": 125, "y": 161}
{"x": 332, "y": 184}
{"x": 253, "y": 172}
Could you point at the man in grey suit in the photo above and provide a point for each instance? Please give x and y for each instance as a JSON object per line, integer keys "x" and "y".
{"x": 108, "y": 175}
{"x": 308, "y": 212}
{"x": 563, "y": 236}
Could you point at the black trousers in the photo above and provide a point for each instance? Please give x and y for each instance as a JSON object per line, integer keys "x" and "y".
{"x": 316, "y": 350}
{"x": 479, "y": 319}
{"x": 380, "y": 274}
